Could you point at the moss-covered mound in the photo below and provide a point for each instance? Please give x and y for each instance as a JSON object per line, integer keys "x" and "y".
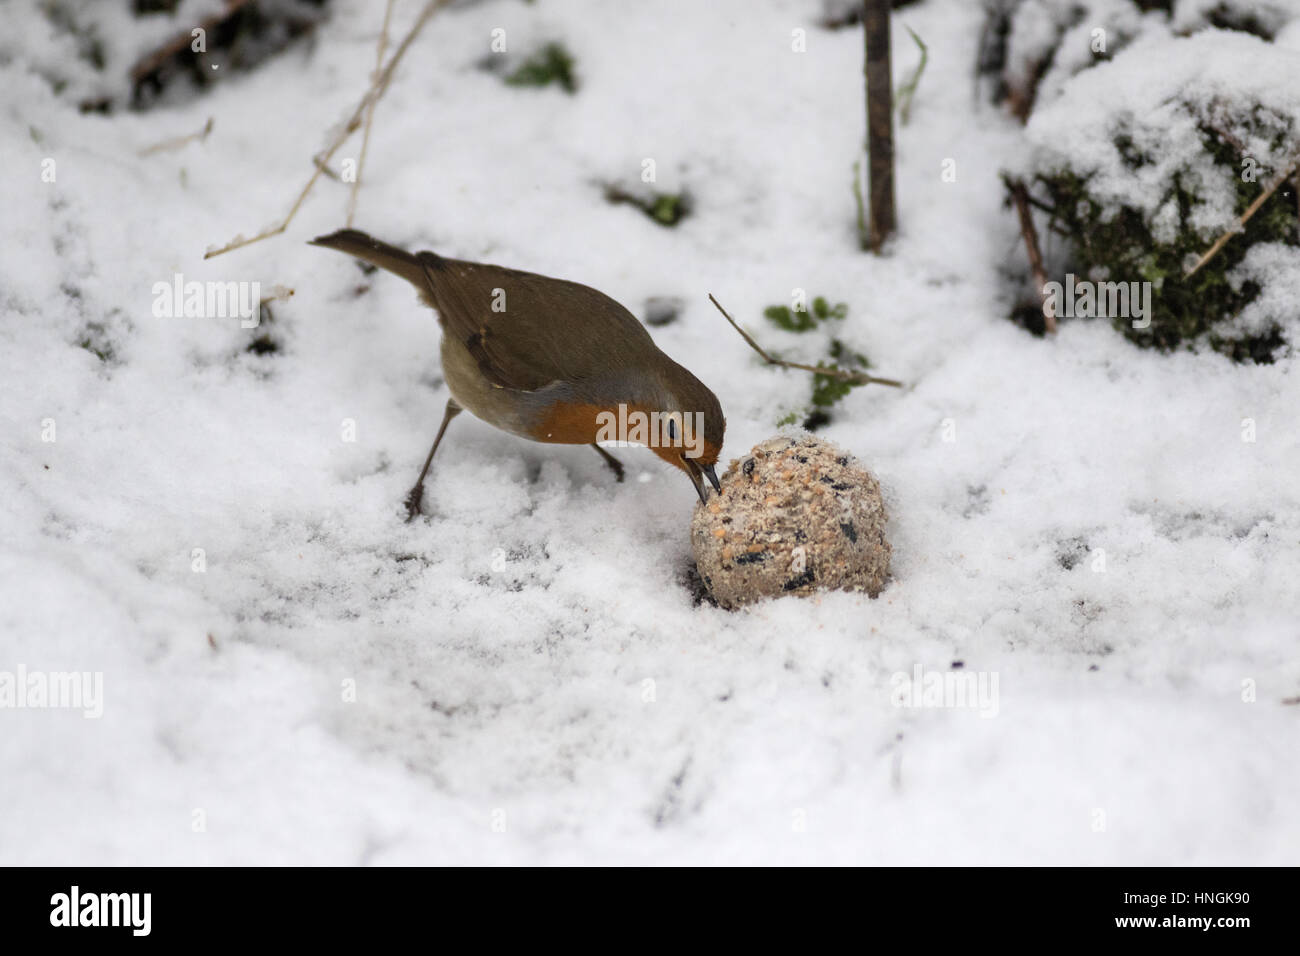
{"x": 1142, "y": 163}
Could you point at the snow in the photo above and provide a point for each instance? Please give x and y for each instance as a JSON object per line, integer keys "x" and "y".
{"x": 501, "y": 650}
{"x": 1062, "y": 37}
{"x": 1191, "y": 15}
{"x": 1275, "y": 269}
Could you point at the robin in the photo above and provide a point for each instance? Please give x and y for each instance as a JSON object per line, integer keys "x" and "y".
{"x": 551, "y": 361}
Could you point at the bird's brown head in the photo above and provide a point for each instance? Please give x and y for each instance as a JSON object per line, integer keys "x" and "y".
{"x": 693, "y": 427}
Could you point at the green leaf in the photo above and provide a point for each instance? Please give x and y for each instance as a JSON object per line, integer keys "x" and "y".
{"x": 667, "y": 209}
{"x": 841, "y": 352}
{"x": 789, "y": 320}
{"x": 827, "y": 390}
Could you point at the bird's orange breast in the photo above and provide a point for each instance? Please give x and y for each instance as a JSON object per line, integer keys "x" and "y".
{"x": 569, "y": 423}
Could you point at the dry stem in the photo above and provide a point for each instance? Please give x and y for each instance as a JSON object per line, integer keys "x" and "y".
{"x": 1020, "y": 194}
{"x": 370, "y": 114}
{"x": 177, "y": 142}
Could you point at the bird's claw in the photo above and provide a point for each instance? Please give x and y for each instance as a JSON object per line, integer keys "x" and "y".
{"x": 413, "y": 501}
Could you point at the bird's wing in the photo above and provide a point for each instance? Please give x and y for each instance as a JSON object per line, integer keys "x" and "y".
{"x": 527, "y": 331}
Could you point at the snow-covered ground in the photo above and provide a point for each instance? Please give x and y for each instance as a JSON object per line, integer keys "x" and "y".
{"x": 523, "y": 676}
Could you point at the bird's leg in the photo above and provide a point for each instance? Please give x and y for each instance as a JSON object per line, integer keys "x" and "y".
{"x": 416, "y": 495}
{"x": 610, "y": 460}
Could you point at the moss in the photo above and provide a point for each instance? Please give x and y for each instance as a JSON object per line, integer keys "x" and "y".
{"x": 552, "y": 64}
{"x": 97, "y": 344}
{"x": 1120, "y": 243}
{"x": 96, "y": 338}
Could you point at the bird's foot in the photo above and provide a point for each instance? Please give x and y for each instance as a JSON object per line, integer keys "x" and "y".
{"x": 413, "y": 501}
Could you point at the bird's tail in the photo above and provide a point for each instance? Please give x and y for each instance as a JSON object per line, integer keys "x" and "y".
{"x": 398, "y": 261}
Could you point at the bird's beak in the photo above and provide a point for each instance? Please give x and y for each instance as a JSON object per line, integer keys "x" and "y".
{"x": 698, "y": 473}
{"x": 713, "y": 477}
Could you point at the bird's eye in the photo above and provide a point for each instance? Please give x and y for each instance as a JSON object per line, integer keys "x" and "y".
{"x": 672, "y": 429}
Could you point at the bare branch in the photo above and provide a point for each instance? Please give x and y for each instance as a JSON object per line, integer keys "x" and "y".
{"x": 880, "y": 122}
{"x": 377, "y": 89}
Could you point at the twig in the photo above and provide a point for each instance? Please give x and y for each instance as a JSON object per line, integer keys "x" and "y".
{"x": 857, "y": 378}
{"x": 377, "y": 89}
{"x": 181, "y": 43}
{"x": 908, "y": 89}
{"x": 1020, "y": 194}
{"x": 1245, "y": 216}
{"x": 1039, "y": 204}
{"x": 178, "y": 141}
{"x": 279, "y": 293}
{"x": 370, "y": 114}
{"x": 324, "y": 168}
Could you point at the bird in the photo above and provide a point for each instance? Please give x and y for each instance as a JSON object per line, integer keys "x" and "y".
{"x": 552, "y": 361}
